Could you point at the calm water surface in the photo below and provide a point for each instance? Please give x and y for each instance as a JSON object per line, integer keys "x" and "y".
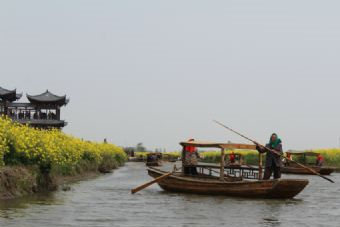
{"x": 106, "y": 201}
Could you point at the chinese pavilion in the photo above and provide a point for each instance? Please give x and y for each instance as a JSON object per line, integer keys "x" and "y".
{"x": 42, "y": 111}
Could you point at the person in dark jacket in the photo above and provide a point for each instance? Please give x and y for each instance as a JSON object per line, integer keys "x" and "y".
{"x": 273, "y": 161}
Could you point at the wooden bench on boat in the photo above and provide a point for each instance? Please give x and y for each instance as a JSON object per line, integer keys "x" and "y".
{"x": 224, "y": 183}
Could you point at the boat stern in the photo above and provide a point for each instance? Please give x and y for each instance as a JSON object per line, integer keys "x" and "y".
{"x": 287, "y": 188}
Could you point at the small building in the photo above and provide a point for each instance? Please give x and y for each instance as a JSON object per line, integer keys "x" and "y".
{"x": 42, "y": 111}
{"x": 130, "y": 151}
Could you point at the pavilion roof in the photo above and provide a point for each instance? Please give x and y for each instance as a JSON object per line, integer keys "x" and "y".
{"x": 48, "y": 98}
{"x": 9, "y": 95}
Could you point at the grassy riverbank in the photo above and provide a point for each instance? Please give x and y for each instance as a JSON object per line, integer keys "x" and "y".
{"x": 249, "y": 157}
{"x": 42, "y": 156}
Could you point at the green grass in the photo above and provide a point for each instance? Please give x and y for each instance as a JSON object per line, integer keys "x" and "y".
{"x": 250, "y": 157}
{"x": 332, "y": 156}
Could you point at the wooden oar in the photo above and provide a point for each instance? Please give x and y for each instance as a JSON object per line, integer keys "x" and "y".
{"x": 141, "y": 187}
{"x": 275, "y": 152}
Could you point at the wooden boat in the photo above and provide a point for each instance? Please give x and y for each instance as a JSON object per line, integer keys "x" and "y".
{"x": 225, "y": 184}
{"x": 169, "y": 158}
{"x": 154, "y": 159}
{"x": 209, "y": 185}
{"x": 298, "y": 170}
{"x": 153, "y": 164}
{"x": 303, "y": 157}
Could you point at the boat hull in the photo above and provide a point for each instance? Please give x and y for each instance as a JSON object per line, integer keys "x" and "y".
{"x": 299, "y": 170}
{"x": 274, "y": 189}
{"x": 153, "y": 164}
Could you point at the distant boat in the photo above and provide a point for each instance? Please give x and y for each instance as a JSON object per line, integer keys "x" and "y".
{"x": 292, "y": 168}
{"x": 154, "y": 159}
{"x": 324, "y": 170}
{"x": 225, "y": 184}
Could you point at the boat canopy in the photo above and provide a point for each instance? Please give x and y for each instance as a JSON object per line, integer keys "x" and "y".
{"x": 222, "y": 146}
{"x": 219, "y": 145}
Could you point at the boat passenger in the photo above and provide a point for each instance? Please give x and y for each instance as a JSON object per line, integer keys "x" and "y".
{"x": 319, "y": 160}
{"x": 232, "y": 158}
{"x": 286, "y": 160}
{"x": 273, "y": 161}
{"x": 289, "y": 156}
{"x": 191, "y": 156}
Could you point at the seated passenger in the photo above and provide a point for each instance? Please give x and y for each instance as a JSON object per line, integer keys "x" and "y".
{"x": 232, "y": 158}
{"x": 319, "y": 160}
{"x": 288, "y": 157}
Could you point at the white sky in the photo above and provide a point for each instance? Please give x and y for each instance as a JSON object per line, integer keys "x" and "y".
{"x": 158, "y": 72}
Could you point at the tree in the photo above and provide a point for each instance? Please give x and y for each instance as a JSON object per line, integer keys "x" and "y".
{"x": 140, "y": 147}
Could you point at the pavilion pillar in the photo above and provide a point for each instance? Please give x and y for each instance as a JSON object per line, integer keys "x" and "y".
{"x": 5, "y": 108}
{"x": 2, "y": 107}
{"x": 58, "y": 113}
{"x": 222, "y": 164}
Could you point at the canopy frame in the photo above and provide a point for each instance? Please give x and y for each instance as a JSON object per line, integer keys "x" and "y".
{"x": 222, "y": 146}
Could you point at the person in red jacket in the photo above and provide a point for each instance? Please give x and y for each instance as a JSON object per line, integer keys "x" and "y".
{"x": 191, "y": 156}
{"x": 232, "y": 158}
{"x": 319, "y": 160}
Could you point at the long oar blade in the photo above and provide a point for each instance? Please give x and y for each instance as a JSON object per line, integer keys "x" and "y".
{"x": 311, "y": 170}
{"x": 139, "y": 188}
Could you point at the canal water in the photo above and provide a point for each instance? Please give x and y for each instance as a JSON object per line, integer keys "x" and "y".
{"x": 106, "y": 201}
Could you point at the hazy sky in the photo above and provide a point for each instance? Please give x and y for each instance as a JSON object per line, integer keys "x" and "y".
{"x": 158, "y": 72}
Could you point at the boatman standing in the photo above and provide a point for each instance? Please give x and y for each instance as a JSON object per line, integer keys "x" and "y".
{"x": 273, "y": 161}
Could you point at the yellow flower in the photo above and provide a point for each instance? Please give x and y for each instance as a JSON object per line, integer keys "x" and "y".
{"x": 50, "y": 145}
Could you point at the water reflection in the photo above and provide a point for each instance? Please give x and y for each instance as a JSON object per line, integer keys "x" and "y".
{"x": 271, "y": 214}
{"x": 13, "y": 208}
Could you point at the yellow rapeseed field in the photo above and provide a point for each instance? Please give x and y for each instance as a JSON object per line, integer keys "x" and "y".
{"x": 52, "y": 147}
